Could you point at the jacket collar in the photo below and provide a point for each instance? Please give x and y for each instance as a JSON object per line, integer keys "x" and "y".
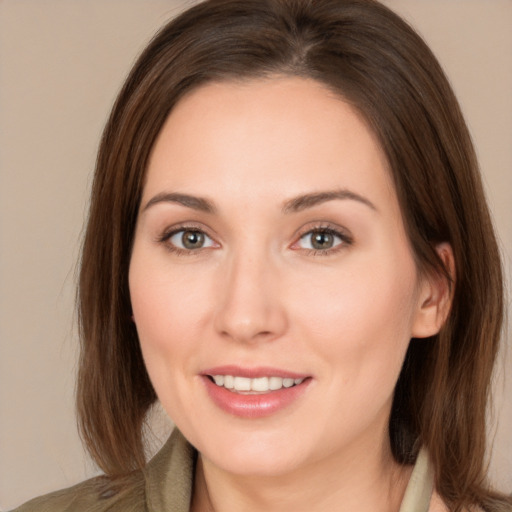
{"x": 170, "y": 475}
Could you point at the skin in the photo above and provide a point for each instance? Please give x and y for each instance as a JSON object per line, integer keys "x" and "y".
{"x": 255, "y": 294}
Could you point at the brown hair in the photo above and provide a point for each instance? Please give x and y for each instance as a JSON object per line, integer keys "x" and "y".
{"x": 375, "y": 61}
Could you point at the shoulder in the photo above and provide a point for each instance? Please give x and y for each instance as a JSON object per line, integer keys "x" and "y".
{"x": 95, "y": 495}
{"x": 164, "y": 484}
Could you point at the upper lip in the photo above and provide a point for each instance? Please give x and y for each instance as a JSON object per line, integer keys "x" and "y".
{"x": 253, "y": 373}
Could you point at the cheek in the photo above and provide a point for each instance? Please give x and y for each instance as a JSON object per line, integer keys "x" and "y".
{"x": 361, "y": 315}
{"x": 376, "y": 290}
{"x": 169, "y": 310}
{"x": 167, "y": 307}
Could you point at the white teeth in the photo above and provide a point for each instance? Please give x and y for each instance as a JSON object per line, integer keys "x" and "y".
{"x": 242, "y": 384}
{"x": 229, "y": 381}
{"x": 288, "y": 383}
{"x": 258, "y": 385}
{"x": 275, "y": 383}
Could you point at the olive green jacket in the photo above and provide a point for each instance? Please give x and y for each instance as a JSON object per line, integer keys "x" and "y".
{"x": 165, "y": 485}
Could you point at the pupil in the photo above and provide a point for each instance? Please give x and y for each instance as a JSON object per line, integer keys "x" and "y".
{"x": 322, "y": 240}
{"x": 192, "y": 239}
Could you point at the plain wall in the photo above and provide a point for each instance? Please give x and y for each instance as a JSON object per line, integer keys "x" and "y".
{"x": 62, "y": 63}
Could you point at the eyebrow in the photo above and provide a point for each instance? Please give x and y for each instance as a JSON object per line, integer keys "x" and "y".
{"x": 296, "y": 204}
{"x": 196, "y": 203}
{"x": 303, "y": 202}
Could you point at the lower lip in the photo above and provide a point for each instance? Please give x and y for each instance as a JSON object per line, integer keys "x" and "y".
{"x": 257, "y": 405}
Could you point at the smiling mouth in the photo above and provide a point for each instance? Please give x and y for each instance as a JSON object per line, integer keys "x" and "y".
{"x": 247, "y": 385}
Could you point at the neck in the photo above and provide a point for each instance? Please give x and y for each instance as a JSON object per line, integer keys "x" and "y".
{"x": 370, "y": 481}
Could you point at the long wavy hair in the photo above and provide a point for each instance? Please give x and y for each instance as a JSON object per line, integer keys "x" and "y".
{"x": 375, "y": 61}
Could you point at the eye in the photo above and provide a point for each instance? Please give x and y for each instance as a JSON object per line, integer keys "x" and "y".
{"x": 322, "y": 239}
{"x": 190, "y": 239}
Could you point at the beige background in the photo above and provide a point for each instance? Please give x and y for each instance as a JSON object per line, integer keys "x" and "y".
{"x": 62, "y": 63}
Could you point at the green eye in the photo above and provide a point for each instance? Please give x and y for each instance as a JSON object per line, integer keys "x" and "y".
{"x": 190, "y": 240}
{"x": 320, "y": 240}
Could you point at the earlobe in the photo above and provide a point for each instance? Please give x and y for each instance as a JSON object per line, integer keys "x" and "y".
{"x": 435, "y": 296}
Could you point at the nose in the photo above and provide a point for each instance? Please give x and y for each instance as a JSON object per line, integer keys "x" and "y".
{"x": 250, "y": 308}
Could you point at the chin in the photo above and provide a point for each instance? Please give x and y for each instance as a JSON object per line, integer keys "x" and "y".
{"x": 263, "y": 463}
{"x": 252, "y": 452}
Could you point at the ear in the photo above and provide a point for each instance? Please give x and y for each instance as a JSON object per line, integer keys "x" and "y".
{"x": 435, "y": 297}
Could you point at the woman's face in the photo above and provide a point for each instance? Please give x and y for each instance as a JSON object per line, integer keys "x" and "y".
{"x": 270, "y": 250}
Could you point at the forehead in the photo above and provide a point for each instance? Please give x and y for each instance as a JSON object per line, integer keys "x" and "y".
{"x": 280, "y": 135}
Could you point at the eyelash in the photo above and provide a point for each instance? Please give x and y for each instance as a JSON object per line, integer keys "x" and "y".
{"x": 346, "y": 239}
{"x": 168, "y": 234}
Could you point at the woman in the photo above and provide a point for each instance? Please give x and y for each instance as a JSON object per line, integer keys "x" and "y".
{"x": 288, "y": 245}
